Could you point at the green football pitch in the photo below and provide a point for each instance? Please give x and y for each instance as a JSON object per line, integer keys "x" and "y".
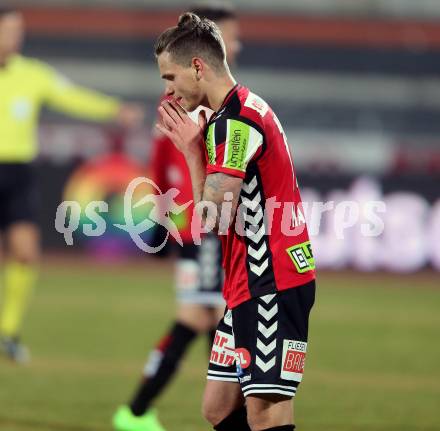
{"x": 373, "y": 358}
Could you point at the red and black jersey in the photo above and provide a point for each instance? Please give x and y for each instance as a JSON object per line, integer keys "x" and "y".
{"x": 267, "y": 248}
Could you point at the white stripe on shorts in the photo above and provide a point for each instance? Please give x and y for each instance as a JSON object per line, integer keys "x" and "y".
{"x": 222, "y": 379}
{"x": 268, "y": 385}
{"x": 223, "y": 373}
{"x": 268, "y": 391}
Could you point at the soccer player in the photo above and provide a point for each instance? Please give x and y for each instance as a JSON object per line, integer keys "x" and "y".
{"x": 25, "y": 86}
{"x": 198, "y": 272}
{"x": 240, "y": 158}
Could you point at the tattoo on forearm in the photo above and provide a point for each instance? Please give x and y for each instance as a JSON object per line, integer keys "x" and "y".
{"x": 216, "y": 185}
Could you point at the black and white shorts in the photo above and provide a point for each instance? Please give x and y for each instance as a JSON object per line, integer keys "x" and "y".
{"x": 262, "y": 343}
{"x": 199, "y": 273}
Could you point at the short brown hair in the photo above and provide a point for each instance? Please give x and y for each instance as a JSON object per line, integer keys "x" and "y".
{"x": 193, "y": 37}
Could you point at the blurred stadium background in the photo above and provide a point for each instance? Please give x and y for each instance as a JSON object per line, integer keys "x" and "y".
{"x": 356, "y": 84}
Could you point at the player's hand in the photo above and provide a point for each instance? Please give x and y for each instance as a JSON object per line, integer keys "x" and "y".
{"x": 130, "y": 115}
{"x": 175, "y": 123}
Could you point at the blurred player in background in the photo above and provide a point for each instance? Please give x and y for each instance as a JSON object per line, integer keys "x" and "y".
{"x": 26, "y": 85}
{"x": 199, "y": 276}
{"x": 260, "y": 346}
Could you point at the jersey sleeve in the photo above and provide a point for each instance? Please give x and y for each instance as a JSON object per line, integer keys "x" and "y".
{"x": 64, "y": 96}
{"x": 230, "y": 145}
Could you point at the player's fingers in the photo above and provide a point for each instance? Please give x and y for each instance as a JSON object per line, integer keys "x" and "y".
{"x": 171, "y": 111}
{"x": 183, "y": 114}
{"x": 178, "y": 107}
{"x": 164, "y": 130}
{"x": 167, "y": 120}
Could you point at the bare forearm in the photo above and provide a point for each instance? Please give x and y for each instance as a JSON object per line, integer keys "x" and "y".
{"x": 221, "y": 189}
{"x": 197, "y": 169}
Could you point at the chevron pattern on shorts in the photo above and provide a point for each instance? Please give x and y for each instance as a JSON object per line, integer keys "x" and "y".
{"x": 254, "y": 227}
{"x": 267, "y": 313}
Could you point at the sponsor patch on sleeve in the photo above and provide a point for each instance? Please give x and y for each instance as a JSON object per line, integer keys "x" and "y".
{"x": 257, "y": 104}
{"x": 302, "y": 256}
{"x": 242, "y": 142}
{"x": 210, "y": 144}
{"x": 294, "y": 356}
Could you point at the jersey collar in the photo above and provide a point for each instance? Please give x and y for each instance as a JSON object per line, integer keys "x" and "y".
{"x": 226, "y": 100}
{"x": 228, "y": 96}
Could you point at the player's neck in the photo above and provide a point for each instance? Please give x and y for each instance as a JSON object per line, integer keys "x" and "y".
{"x": 219, "y": 91}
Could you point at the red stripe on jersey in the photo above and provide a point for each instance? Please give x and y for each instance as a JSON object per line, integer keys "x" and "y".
{"x": 210, "y": 169}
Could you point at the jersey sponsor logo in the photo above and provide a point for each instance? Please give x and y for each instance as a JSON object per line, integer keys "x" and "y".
{"x": 243, "y": 357}
{"x": 223, "y": 351}
{"x": 210, "y": 144}
{"x": 245, "y": 379}
{"x": 294, "y": 356}
{"x": 236, "y": 145}
{"x": 242, "y": 142}
{"x": 302, "y": 256}
{"x": 256, "y": 103}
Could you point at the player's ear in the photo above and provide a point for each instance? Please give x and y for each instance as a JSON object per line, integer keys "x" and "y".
{"x": 197, "y": 66}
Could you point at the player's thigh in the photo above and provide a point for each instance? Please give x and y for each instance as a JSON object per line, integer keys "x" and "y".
{"x": 23, "y": 242}
{"x": 268, "y": 411}
{"x": 196, "y": 316}
{"x": 223, "y": 394}
{"x": 220, "y": 399}
{"x": 217, "y": 313}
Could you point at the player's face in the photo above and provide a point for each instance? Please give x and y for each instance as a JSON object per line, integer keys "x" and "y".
{"x": 231, "y": 36}
{"x": 180, "y": 82}
{"x": 11, "y": 33}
